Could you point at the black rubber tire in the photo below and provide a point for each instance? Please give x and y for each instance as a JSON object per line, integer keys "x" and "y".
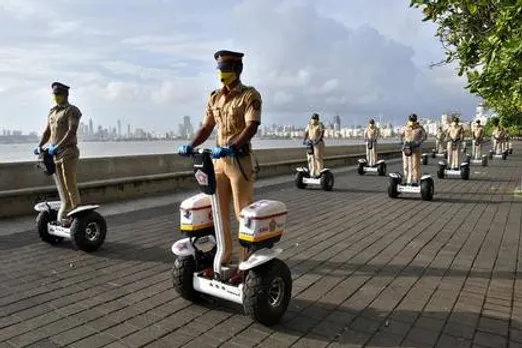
{"x": 79, "y": 227}
{"x": 382, "y": 169}
{"x": 427, "y": 189}
{"x": 257, "y": 285}
{"x": 392, "y": 188}
{"x": 43, "y": 218}
{"x": 433, "y": 154}
{"x": 491, "y": 155}
{"x": 424, "y": 160}
{"x": 299, "y": 180}
{"x": 327, "y": 181}
{"x": 510, "y": 151}
{"x": 445, "y": 155}
{"x": 440, "y": 172}
{"x": 504, "y": 156}
{"x": 485, "y": 162}
{"x": 360, "y": 169}
{"x": 464, "y": 173}
{"x": 182, "y": 278}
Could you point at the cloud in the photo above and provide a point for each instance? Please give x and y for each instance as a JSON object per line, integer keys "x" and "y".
{"x": 150, "y": 63}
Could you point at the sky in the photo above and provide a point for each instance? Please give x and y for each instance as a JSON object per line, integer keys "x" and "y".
{"x": 150, "y": 62}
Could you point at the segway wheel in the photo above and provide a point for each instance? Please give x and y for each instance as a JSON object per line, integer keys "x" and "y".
{"x": 88, "y": 231}
{"x": 382, "y": 169}
{"x": 485, "y": 162}
{"x": 427, "y": 189}
{"x": 267, "y": 292}
{"x": 424, "y": 160}
{"x": 360, "y": 169}
{"x": 299, "y": 180}
{"x": 445, "y": 155}
{"x": 504, "y": 156}
{"x": 327, "y": 181}
{"x": 510, "y": 151}
{"x": 182, "y": 278}
{"x": 440, "y": 172}
{"x": 491, "y": 155}
{"x": 41, "y": 227}
{"x": 433, "y": 154}
{"x": 464, "y": 173}
{"x": 392, "y": 188}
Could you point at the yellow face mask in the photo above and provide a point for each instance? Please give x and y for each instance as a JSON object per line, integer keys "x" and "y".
{"x": 227, "y": 78}
{"x": 58, "y": 99}
{"x": 411, "y": 123}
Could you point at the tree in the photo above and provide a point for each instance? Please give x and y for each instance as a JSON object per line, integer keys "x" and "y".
{"x": 485, "y": 38}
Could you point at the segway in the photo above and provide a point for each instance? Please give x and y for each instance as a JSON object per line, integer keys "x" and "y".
{"x": 472, "y": 159}
{"x": 436, "y": 154}
{"x": 262, "y": 283}
{"x": 396, "y": 186}
{"x": 363, "y": 163}
{"x": 444, "y": 171}
{"x": 88, "y": 228}
{"x": 303, "y": 176}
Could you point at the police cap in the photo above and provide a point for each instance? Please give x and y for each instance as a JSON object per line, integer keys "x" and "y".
{"x": 315, "y": 116}
{"x": 59, "y": 87}
{"x": 412, "y": 118}
{"x": 372, "y": 121}
{"x": 478, "y": 121}
{"x": 224, "y": 55}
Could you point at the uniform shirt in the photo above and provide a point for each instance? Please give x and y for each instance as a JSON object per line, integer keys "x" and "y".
{"x": 60, "y": 117}
{"x": 479, "y": 132}
{"x": 455, "y": 132}
{"x": 498, "y": 133}
{"x": 232, "y": 111}
{"x": 415, "y": 133}
{"x": 314, "y": 130}
{"x": 371, "y": 133}
{"x": 440, "y": 134}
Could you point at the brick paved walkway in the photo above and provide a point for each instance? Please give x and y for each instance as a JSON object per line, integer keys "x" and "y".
{"x": 368, "y": 272}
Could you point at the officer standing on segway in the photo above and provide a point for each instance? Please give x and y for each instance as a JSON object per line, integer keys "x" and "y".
{"x": 478, "y": 137}
{"x": 236, "y": 110}
{"x": 455, "y": 134}
{"x": 370, "y": 137}
{"x": 439, "y": 140}
{"x": 314, "y": 132}
{"x": 62, "y": 124}
{"x": 412, "y": 137}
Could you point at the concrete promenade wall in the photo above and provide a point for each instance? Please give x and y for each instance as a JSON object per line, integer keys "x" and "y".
{"x": 120, "y": 178}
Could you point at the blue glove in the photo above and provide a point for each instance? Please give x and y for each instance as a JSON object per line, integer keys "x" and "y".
{"x": 218, "y": 152}
{"x": 37, "y": 150}
{"x": 52, "y": 149}
{"x": 185, "y": 150}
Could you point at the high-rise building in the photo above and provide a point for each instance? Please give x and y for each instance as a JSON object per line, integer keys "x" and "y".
{"x": 91, "y": 127}
{"x": 337, "y": 123}
{"x": 119, "y": 129}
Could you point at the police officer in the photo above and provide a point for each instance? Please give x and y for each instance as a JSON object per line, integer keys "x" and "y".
{"x": 236, "y": 110}
{"x": 314, "y": 132}
{"x": 60, "y": 131}
{"x": 497, "y": 135}
{"x": 371, "y": 134}
{"x": 455, "y": 135}
{"x": 439, "y": 140}
{"x": 478, "y": 138}
{"x": 412, "y": 136}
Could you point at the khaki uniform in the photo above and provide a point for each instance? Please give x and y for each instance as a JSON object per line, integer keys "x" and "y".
{"x": 454, "y": 133}
{"x": 317, "y": 159}
{"x": 439, "y": 141}
{"x": 410, "y": 134}
{"x": 231, "y": 112}
{"x": 505, "y": 136}
{"x": 371, "y": 134}
{"x": 498, "y": 137}
{"x": 478, "y": 136}
{"x": 60, "y": 117}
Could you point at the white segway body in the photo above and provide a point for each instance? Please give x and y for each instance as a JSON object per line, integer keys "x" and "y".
{"x": 262, "y": 283}
{"x": 463, "y": 171}
{"x": 363, "y": 167}
{"x": 88, "y": 229}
